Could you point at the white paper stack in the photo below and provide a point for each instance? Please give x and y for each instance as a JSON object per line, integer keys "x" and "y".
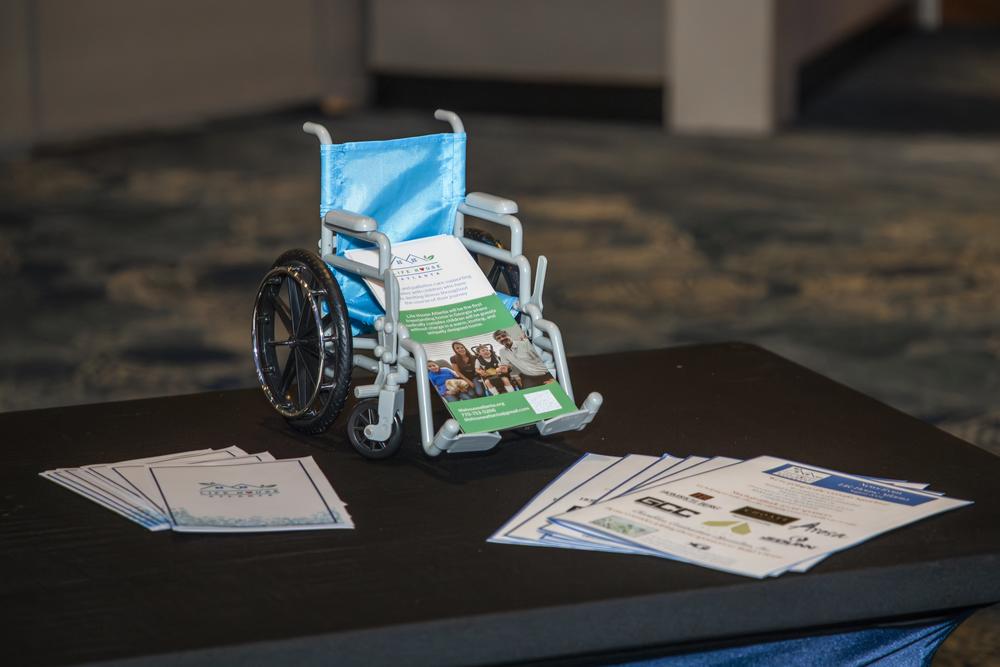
{"x": 212, "y": 490}
{"x": 759, "y": 518}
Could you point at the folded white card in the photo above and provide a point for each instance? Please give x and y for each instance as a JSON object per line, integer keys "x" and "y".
{"x": 140, "y": 479}
{"x": 291, "y": 494}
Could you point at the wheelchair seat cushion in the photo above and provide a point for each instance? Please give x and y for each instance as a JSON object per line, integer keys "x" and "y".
{"x": 412, "y": 187}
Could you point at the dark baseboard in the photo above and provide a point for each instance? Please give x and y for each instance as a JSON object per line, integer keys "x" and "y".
{"x": 569, "y": 100}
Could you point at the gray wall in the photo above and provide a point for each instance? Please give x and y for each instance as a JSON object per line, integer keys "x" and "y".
{"x": 727, "y": 65}
{"x": 733, "y": 64}
{"x": 77, "y": 69}
{"x": 86, "y": 68}
{"x": 15, "y": 74}
{"x": 589, "y": 41}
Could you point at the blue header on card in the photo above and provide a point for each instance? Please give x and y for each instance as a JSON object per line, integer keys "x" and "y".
{"x": 855, "y": 487}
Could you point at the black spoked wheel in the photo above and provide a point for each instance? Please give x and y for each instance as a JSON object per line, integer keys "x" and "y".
{"x": 302, "y": 345}
{"x": 503, "y": 277}
{"x": 365, "y": 413}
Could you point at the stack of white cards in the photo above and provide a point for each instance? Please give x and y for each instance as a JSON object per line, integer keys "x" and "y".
{"x": 212, "y": 491}
{"x": 758, "y": 518}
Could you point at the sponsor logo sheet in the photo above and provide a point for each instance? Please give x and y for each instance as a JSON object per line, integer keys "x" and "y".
{"x": 762, "y": 517}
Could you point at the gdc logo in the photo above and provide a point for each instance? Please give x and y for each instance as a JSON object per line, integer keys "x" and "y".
{"x": 666, "y": 506}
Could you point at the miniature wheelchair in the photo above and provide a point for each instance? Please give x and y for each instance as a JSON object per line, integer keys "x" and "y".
{"x": 314, "y": 320}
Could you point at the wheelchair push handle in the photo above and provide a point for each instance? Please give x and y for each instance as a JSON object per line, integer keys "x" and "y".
{"x": 321, "y": 132}
{"x": 452, "y": 119}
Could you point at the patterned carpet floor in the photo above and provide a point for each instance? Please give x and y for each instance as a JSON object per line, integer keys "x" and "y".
{"x": 864, "y": 249}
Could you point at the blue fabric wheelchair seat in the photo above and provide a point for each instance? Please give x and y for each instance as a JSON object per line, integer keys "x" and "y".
{"x": 412, "y": 188}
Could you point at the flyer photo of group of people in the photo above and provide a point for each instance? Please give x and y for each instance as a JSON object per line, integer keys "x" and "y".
{"x": 491, "y": 364}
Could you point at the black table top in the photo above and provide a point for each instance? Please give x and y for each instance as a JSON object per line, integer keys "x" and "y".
{"x": 416, "y": 582}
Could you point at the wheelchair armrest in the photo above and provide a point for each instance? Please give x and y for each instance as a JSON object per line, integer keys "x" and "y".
{"x": 351, "y": 222}
{"x": 491, "y": 203}
{"x": 497, "y": 210}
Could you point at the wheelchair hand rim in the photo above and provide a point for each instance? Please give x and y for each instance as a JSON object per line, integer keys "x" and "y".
{"x": 273, "y": 280}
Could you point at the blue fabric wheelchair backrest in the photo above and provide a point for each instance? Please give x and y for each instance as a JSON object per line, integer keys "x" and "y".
{"x": 411, "y": 187}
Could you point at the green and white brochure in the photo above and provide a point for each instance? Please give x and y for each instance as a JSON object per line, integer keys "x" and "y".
{"x": 480, "y": 362}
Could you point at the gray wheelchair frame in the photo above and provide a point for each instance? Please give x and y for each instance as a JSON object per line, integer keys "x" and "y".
{"x": 394, "y": 355}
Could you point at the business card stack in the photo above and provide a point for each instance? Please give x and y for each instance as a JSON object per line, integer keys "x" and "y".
{"x": 212, "y": 491}
{"x": 760, "y": 518}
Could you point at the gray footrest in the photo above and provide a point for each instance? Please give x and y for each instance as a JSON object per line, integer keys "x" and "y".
{"x": 573, "y": 421}
{"x": 451, "y": 439}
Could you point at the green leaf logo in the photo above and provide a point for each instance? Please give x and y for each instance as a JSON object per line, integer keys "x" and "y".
{"x": 740, "y": 529}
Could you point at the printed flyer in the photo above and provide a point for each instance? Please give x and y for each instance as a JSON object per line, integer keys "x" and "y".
{"x": 479, "y": 361}
{"x": 758, "y": 518}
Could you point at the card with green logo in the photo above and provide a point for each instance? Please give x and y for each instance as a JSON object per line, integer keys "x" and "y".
{"x": 479, "y": 361}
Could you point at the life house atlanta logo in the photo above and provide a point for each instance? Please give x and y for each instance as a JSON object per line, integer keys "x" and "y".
{"x": 415, "y": 267}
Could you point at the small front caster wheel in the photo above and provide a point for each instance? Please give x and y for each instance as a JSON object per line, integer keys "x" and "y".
{"x": 365, "y": 412}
